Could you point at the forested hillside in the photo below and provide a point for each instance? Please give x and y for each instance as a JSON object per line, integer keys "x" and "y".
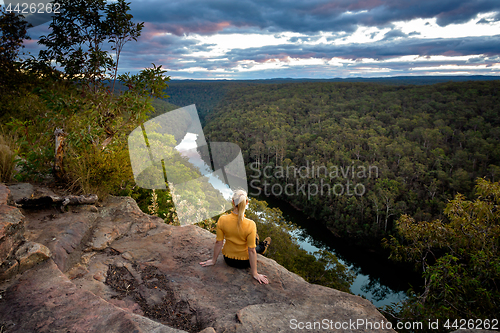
{"x": 376, "y": 151}
{"x": 206, "y": 95}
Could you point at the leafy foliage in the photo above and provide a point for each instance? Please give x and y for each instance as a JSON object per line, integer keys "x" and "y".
{"x": 98, "y": 129}
{"x": 459, "y": 258}
{"x": 96, "y": 123}
{"x": 8, "y": 152}
{"x": 13, "y": 30}
{"x": 79, "y": 31}
{"x": 120, "y": 29}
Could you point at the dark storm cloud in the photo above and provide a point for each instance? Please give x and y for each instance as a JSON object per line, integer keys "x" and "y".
{"x": 488, "y": 45}
{"x": 476, "y": 60}
{"x": 394, "y": 34}
{"x": 154, "y": 41}
{"x": 208, "y": 17}
{"x": 484, "y": 20}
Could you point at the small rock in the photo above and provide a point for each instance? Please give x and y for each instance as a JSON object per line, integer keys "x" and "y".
{"x": 86, "y": 258}
{"x": 99, "y": 277}
{"x": 77, "y": 272}
{"x": 30, "y": 254}
{"x": 127, "y": 256}
{"x": 133, "y": 272}
{"x": 208, "y": 330}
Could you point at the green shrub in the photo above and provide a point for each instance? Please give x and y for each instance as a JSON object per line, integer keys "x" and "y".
{"x": 155, "y": 202}
{"x": 97, "y": 171}
{"x": 459, "y": 257}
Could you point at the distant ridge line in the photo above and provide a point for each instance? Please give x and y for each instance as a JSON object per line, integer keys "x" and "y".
{"x": 415, "y": 80}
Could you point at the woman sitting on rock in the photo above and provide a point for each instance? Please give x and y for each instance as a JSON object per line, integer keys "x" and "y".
{"x": 240, "y": 249}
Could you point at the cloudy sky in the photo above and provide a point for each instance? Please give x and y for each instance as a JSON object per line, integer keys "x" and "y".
{"x": 260, "y": 39}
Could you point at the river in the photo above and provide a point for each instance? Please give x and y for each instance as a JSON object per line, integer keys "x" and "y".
{"x": 378, "y": 279}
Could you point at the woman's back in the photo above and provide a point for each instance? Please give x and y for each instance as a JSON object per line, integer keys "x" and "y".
{"x": 240, "y": 233}
{"x": 238, "y": 239}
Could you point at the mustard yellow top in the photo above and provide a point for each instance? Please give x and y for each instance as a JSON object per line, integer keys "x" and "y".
{"x": 237, "y": 241}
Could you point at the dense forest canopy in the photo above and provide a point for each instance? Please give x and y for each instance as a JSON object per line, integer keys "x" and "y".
{"x": 207, "y": 94}
{"x": 426, "y": 142}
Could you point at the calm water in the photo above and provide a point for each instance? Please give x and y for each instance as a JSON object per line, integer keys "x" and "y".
{"x": 378, "y": 279}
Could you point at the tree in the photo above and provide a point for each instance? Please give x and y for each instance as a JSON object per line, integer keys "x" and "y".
{"x": 75, "y": 42}
{"x": 121, "y": 29}
{"x": 459, "y": 259}
{"x": 387, "y": 191}
{"x": 13, "y": 30}
{"x": 78, "y": 34}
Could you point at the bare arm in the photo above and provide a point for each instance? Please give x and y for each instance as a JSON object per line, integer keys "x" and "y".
{"x": 217, "y": 249}
{"x": 252, "y": 255}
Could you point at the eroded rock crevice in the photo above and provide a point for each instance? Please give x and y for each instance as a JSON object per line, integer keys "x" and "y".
{"x": 154, "y": 293}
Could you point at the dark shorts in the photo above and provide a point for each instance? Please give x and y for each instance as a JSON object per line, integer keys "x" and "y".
{"x": 238, "y": 263}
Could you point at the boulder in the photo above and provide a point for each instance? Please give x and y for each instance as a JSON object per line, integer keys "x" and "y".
{"x": 10, "y": 221}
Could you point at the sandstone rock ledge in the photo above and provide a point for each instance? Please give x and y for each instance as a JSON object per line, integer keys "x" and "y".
{"x": 116, "y": 269}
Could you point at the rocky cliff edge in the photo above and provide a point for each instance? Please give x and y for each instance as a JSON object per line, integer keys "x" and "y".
{"x": 115, "y": 269}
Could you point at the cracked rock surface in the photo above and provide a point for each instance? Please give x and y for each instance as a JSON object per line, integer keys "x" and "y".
{"x": 115, "y": 269}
